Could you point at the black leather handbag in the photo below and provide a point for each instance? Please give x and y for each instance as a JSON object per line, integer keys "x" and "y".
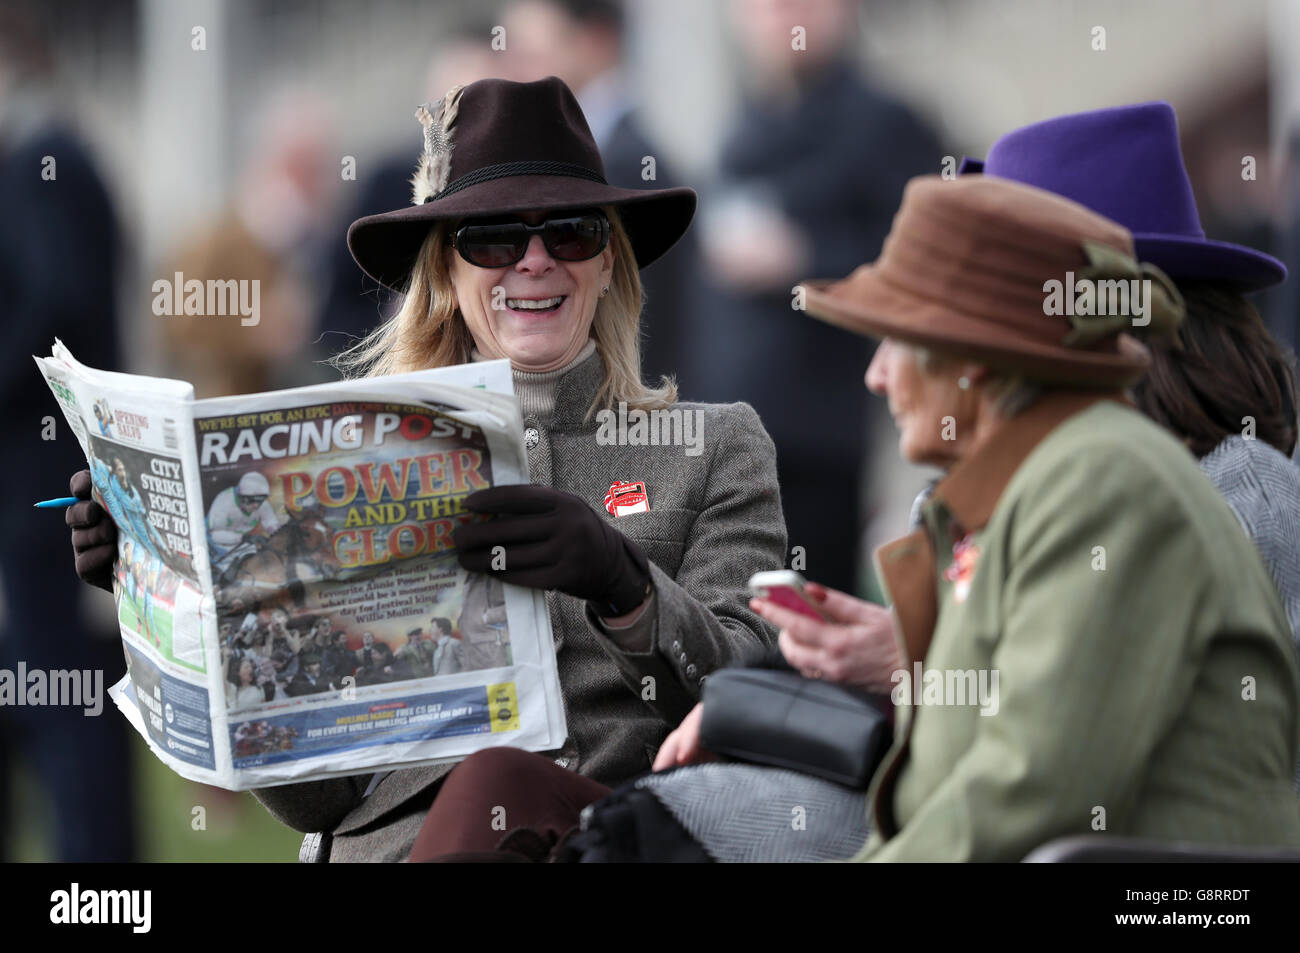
{"x": 784, "y": 720}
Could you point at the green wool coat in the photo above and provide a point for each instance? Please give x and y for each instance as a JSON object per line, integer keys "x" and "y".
{"x": 1139, "y": 671}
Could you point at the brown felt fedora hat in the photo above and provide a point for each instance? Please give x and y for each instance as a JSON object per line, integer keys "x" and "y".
{"x": 966, "y": 268}
{"x": 497, "y": 147}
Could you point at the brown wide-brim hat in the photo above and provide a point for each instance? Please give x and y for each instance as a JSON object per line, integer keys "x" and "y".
{"x": 964, "y": 271}
{"x": 497, "y": 147}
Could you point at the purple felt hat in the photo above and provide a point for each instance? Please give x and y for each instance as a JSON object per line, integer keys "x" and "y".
{"x": 1125, "y": 163}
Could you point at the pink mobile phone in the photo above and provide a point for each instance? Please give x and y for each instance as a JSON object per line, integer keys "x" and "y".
{"x": 785, "y": 588}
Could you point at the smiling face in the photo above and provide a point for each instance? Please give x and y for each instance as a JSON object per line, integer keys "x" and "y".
{"x": 546, "y": 305}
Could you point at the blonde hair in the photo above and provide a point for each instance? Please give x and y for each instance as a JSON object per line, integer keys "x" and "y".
{"x": 429, "y": 331}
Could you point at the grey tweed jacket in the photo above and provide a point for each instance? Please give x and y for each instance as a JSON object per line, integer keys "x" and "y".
{"x": 1262, "y": 485}
{"x": 1263, "y": 488}
{"x": 714, "y": 520}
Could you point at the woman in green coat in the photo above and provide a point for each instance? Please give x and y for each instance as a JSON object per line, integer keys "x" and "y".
{"x": 1088, "y": 642}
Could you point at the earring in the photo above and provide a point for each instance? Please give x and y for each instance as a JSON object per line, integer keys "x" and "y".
{"x": 604, "y": 291}
{"x": 963, "y": 382}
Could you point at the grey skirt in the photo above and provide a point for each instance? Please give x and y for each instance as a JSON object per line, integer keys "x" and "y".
{"x": 743, "y": 813}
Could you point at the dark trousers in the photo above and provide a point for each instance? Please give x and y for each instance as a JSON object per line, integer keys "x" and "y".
{"x": 504, "y": 800}
{"x": 82, "y": 765}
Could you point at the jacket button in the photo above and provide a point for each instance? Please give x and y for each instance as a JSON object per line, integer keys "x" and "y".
{"x": 683, "y": 658}
{"x": 677, "y": 646}
{"x": 531, "y": 437}
{"x": 691, "y": 670}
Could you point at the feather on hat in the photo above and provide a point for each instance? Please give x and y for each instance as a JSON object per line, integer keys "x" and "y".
{"x": 435, "y": 162}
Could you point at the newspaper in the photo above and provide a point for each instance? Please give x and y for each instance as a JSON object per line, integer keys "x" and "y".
{"x": 289, "y": 598}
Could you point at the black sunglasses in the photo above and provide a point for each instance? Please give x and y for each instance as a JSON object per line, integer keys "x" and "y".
{"x": 571, "y": 237}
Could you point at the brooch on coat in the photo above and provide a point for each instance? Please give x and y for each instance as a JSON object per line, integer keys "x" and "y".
{"x": 625, "y": 498}
{"x": 965, "y": 554}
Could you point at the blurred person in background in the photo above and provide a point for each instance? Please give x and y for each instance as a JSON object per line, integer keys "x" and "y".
{"x": 808, "y": 180}
{"x": 264, "y": 234}
{"x": 59, "y": 258}
{"x": 1283, "y": 308}
{"x": 583, "y": 42}
{"x": 354, "y": 303}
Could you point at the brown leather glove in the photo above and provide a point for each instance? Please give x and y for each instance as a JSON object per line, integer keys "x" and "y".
{"x": 94, "y": 535}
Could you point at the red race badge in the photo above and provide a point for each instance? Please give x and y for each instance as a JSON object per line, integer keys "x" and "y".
{"x": 965, "y": 555}
{"x": 625, "y": 498}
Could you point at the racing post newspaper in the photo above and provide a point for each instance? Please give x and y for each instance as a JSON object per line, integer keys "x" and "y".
{"x": 288, "y": 594}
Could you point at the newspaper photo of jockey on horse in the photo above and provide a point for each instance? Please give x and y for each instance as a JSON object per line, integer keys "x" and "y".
{"x": 329, "y": 536}
{"x": 256, "y": 556}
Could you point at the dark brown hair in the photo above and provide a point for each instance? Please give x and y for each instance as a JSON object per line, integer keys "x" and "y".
{"x": 1229, "y": 368}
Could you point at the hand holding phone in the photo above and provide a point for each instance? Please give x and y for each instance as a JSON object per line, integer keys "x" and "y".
{"x": 785, "y": 588}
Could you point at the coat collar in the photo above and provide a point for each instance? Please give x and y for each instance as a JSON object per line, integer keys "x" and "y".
{"x": 973, "y": 487}
{"x": 969, "y": 494}
{"x": 575, "y": 391}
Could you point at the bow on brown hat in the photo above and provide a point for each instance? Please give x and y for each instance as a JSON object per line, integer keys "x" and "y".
{"x": 1164, "y": 301}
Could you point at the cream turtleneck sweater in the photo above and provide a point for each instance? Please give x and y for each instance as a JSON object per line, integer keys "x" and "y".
{"x": 536, "y": 389}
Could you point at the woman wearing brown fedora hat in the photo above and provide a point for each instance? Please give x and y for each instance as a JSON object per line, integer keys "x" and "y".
{"x": 515, "y": 247}
{"x": 1084, "y": 640}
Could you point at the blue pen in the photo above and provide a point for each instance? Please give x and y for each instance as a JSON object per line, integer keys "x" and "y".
{"x": 61, "y": 501}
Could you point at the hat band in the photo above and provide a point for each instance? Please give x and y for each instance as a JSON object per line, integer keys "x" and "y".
{"x": 504, "y": 169}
